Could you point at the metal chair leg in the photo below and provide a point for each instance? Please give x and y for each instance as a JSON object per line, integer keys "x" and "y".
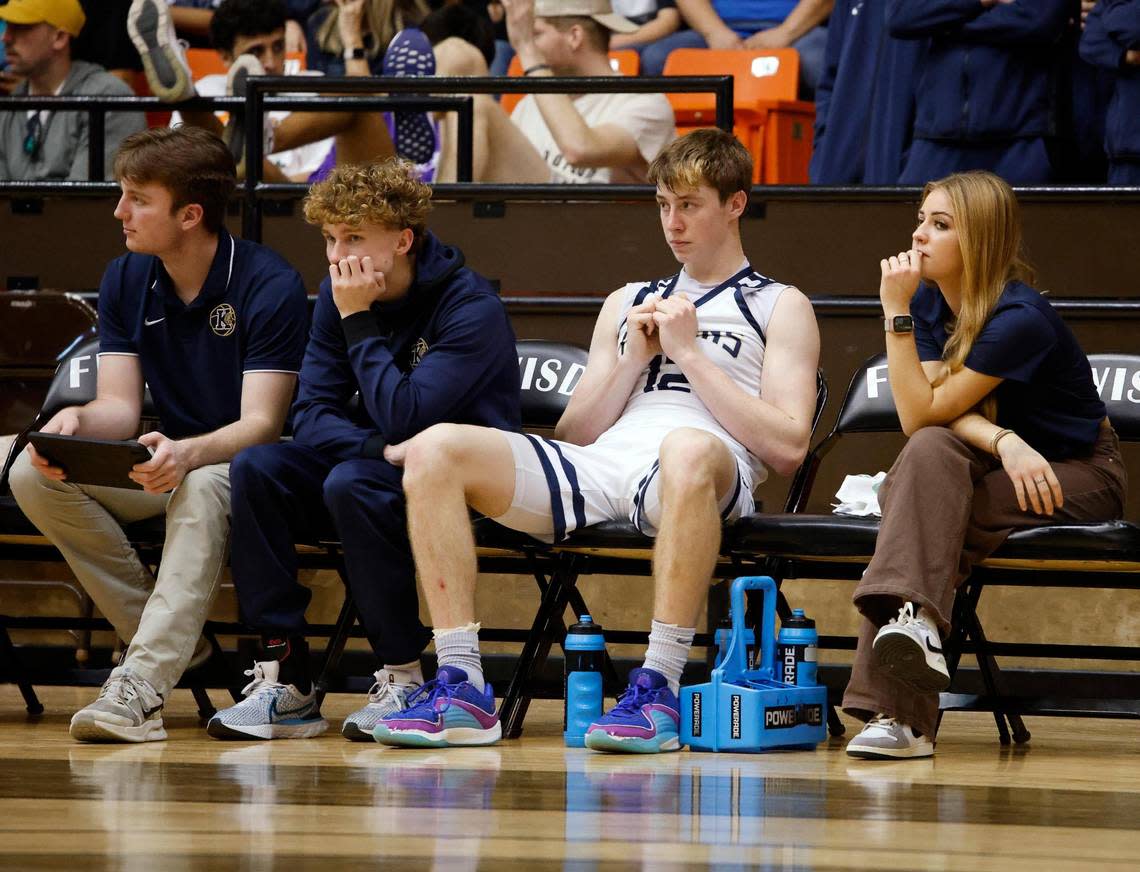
{"x": 13, "y": 668}
{"x": 344, "y": 624}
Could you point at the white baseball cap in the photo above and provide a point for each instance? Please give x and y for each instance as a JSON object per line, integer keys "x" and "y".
{"x": 602, "y": 11}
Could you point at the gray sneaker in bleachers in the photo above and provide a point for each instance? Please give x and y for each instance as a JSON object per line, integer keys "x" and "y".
{"x": 128, "y": 709}
{"x": 384, "y": 699}
{"x": 270, "y": 710}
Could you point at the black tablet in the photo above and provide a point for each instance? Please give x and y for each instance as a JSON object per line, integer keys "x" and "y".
{"x": 103, "y": 462}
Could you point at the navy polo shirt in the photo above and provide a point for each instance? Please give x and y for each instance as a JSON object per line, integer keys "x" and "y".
{"x": 1047, "y": 395}
{"x": 250, "y": 316}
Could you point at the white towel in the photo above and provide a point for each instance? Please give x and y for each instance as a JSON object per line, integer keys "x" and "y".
{"x": 859, "y": 495}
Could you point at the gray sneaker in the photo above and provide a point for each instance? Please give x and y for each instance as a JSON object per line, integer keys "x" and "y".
{"x": 128, "y": 709}
{"x": 151, "y": 29}
{"x": 910, "y": 650}
{"x": 270, "y": 710}
{"x": 384, "y": 699}
{"x": 884, "y": 738}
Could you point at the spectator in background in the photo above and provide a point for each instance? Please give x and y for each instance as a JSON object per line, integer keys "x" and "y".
{"x": 754, "y": 24}
{"x": 986, "y": 95}
{"x": 591, "y": 138}
{"x": 38, "y": 145}
{"x": 192, "y": 21}
{"x": 1112, "y": 41}
{"x": 864, "y": 103}
{"x": 250, "y": 36}
{"x": 105, "y": 41}
{"x": 1088, "y": 89}
{"x": 383, "y": 19}
{"x": 655, "y": 20}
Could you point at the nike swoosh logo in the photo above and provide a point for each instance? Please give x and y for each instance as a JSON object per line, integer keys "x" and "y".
{"x": 155, "y": 321}
{"x": 932, "y": 649}
{"x": 148, "y": 712}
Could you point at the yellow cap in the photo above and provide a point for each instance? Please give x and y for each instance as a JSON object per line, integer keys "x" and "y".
{"x": 65, "y": 14}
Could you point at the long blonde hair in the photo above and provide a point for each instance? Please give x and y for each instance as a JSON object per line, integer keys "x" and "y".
{"x": 988, "y": 222}
{"x": 382, "y": 19}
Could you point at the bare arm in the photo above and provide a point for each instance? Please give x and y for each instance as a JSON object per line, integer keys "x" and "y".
{"x": 113, "y": 414}
{"x": 919, "y": 404}
{"x": 806, "y": 15}
{"x": 775, "y": 426}
{"x": 196, "y": 22}
{"x": 667, "y": 21}
{"x": 265, "y": 400}
{"x": 701, "y": 17}
{"x": 601, "y": 394}
{"x": 607, "y": 145}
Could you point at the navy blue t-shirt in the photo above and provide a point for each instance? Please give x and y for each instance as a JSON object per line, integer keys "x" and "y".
{"x": 251, "y": 315}
{"x": 1047, "y": 395}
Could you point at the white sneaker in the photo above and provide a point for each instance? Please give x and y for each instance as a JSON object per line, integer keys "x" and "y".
{"x": 885, "y": 738}
{"x": 270, "y": 710}
{"x": 240, "y": 70}
{"x": 384, "y": 699}
{"x": 128, "y": 709}
{"x": 164, "y": 57}
{"x": 910, "y": 649}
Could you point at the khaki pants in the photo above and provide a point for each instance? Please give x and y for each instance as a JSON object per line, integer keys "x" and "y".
{"x": 161, "y": 617}
{"x": 947, "y": 506}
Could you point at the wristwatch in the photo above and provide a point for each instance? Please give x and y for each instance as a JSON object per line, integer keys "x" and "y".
{"x": 354, "y": 54}
{"x": 898, "y": 324}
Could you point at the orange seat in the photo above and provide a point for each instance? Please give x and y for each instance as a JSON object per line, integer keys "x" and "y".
{"x": 625, "y": 61}
{"x": 207, "y": 62}
{"x": 774, "y": 126}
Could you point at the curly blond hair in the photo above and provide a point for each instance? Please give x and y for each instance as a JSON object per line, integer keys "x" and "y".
{"x": 386, "y": 193}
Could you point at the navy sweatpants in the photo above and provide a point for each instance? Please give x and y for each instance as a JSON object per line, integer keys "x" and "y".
{"x": 285, "y": 493}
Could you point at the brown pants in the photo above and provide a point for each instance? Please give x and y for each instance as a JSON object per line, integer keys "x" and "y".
{"x": 947, "y": 506}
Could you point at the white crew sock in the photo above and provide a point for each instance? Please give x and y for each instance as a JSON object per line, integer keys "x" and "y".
{"x": 407, "y": 675}
{"x": 459, "y": 647}
{"x": 669, "y": 651}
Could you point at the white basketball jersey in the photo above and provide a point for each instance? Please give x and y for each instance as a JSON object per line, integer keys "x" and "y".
{"x": 732, "y": 322}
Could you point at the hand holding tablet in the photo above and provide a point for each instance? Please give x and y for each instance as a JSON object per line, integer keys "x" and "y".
{"x": 102, "y": 462}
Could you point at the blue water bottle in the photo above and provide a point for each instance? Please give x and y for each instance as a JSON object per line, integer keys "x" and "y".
{"x": 797, "y": 649}
{"x": 585, "y": 648}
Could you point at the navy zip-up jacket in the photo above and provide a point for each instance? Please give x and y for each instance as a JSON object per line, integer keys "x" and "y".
{"x": 1113, "y": 28}
{"x": 864, "y": 102}
{"x": 990, "y": 74}
{"x": 446, "y": 352}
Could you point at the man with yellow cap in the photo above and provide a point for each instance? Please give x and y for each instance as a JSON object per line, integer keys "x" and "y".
{"x": 38, "y": 144}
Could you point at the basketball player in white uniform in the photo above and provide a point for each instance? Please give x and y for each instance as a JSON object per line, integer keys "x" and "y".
{"x": 695, "y": 386}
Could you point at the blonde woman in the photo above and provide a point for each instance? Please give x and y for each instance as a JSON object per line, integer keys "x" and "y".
{"x": 382, "y": 19}
{"x": 1006, "y": 431}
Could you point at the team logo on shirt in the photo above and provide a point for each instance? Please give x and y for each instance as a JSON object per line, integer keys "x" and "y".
{"x": 223, "y": 319}
{"x": 418, "y": 352}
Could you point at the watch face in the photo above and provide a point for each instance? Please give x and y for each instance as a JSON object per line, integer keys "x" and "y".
{"x": 902, "y": 324}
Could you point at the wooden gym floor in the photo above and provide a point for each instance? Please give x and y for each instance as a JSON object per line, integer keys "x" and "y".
{"x": 1068, "y": 800}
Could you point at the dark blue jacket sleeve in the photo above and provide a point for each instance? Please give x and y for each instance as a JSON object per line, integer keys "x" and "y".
{"x": 1022, "y": 22}
{"x": 1122, "y": 21}
{"x": 320, "y": 419}
{"x": 467, "y": 347}
{"x": 915, "y": 19}
{"x": 1097, "y": 46}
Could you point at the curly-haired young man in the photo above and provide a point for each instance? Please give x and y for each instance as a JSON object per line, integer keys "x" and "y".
{"x": 421, "y": 339}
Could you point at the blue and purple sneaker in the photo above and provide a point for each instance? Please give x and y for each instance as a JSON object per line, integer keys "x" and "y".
{"x": 446, "y": 711}
{"x": 646, "y": 719}
{"x": 410, "y": 54}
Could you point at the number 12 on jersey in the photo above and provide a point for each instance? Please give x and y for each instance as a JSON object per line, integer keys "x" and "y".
{"x": 655, "y": 380}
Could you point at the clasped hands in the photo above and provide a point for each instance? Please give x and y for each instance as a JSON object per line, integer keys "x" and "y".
{"x": 661, "y": 325}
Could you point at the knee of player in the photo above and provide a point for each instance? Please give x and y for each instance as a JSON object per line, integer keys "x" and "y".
{"x": 23, "y": 476}
{"x": 209, "y": 482}
{"x": 457, "y": 57}
{"x": 690, "y": 459}
{"x": 251, "y": 466}
{"x": 433, "y": 454}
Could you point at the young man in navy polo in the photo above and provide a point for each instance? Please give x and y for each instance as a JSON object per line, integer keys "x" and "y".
{"x": 420, "y": 339}
{"x": 215, "y": 326}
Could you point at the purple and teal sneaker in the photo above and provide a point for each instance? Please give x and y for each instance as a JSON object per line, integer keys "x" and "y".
{"x": 646, "y": 719}
{"x": 445, "y": 711}
{"x": 409, "y": 54}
